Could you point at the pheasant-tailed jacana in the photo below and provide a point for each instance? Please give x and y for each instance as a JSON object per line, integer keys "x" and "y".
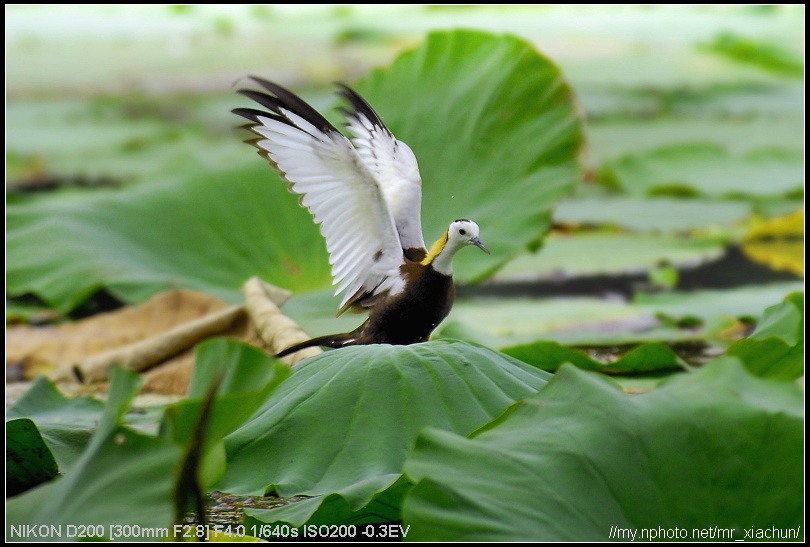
{"x": 366, "y": 194}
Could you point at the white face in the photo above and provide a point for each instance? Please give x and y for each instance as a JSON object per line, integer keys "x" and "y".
{"x": 465, "y": 232}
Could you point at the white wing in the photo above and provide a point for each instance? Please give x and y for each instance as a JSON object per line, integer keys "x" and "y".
{"x": 336, "y": 187}
{"x": 393, "y": 164}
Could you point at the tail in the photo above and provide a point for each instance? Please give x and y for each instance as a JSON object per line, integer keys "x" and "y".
{"x": 330, "y": 341}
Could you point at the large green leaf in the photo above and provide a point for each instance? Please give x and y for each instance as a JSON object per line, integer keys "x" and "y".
{"x": 776, "y": 348}
{"x": 239, "y": 377}
{"x": 244, "y": 376}
{"x": 119, "y": 470}
{"x": 715, "y": 449}
{"x": 65, "y": 424}
{"x": 476, "y": 108}
{"x": 496, "y": 131}
{"x": 513, "y": 321}
{"x": 349, "y": 416}
{"x": 206, "y": 231}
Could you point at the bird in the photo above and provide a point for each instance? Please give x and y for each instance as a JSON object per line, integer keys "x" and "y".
{"x": 366, "y": 195}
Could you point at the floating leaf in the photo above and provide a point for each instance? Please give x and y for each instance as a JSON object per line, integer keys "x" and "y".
{"x": 652, "y": 214}
{"x": 551, "y": 356}
{"x": 349, "y": 416}
{"x": 776, "y": 348}
{"x": 671, "y": 316}
{"x": 581, "y": 461}
{"x": 616, "y": 138}
{"x": 595, "y": 253}
{"x": 744, "y": 301}
{"x": 115, "y": 139}
{"x": 769, "y": 56}
{"x": 706, "y": 113}
{"x": 707, "y": 170}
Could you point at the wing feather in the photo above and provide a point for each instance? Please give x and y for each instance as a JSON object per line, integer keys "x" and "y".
{"x": 393, "y": 164}
{"x": 335, "y": 184}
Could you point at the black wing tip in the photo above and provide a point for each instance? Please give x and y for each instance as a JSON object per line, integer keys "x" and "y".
{"x": 277, "y": 98}
{"x": 359, "y": 105}
{"x": 251, "y": 114}
{"x": 274, "y": 88}
{"x": 344, "y": 89}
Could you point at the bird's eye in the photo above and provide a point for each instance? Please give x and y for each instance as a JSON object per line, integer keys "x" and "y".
{"x": 462, "y": 232}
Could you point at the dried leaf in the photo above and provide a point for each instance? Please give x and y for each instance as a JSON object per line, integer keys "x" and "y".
{"x": 35, "y": 350}
{"x": 161, "y": 331}
{"x": 278, "y": 331}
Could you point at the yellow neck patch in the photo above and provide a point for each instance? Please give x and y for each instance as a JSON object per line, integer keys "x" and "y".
{"x": 435, "y": 249}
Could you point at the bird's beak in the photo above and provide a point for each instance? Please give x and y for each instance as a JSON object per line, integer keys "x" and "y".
{"x": 478, "y": 243}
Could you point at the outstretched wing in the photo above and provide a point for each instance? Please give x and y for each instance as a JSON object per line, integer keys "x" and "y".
{"x": 335, "y": 185}
{"x": 394, "y": 166}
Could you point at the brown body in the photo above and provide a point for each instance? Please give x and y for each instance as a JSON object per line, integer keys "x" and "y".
{"x": 405, "y": 318}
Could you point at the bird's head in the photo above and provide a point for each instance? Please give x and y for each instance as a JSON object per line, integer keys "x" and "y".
{"x": 464, "y": 232}
{"x": 459, "y": 234}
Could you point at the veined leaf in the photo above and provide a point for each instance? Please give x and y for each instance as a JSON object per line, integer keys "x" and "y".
{"x": 581, "y": 459}
{"x": 349, "y": 416}
{"x": 120, "y": 469}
